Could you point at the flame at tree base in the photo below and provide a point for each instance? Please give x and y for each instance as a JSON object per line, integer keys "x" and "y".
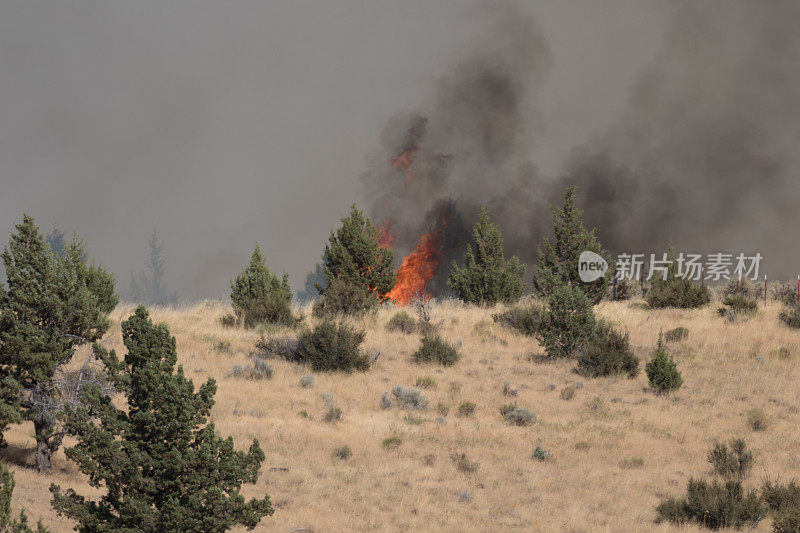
{"x": 417, "y": 269}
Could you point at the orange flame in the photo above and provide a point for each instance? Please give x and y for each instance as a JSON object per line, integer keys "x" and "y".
{"x": 418, "y": 268}
{"x": 403, "y": 162}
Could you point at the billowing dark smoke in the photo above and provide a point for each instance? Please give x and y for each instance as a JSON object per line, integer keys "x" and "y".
{"x": 705, "y": 156}
{"x": 467, "y": 148}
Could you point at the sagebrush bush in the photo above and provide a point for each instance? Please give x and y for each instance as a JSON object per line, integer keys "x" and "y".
{"x": 259, "y": 370}
{"x": 783, "y": 501}
{"x": 675, "y": 291}
{"x": 330, "y": 346}
{"x": 463, "y": 464}
{"x": 434, "y": 349}
{"x": 284, "y": 346}
{"x": 607, "y": 353}
{"x": 524, "y": 319}
{"x": 791, "y": 316}
{"x": 343, "y": 452}
{"x": 408, "y": 398}
{"x": 731, "y": 462}
{"x": 784, "y": 292}
{"x": 402, "y": 322}
{"x": 333, "y": 414}
{"x": 741, "y": 287}
{"x": 661, "y": 370}
{"x": 567, "y": 322}
{"x": 676, "y": 335}
{"x": 346, "y": 299}
{"x": 517, "y": 416}
{"x": 466, "y": 409}
{"x": 757, "y": 419}
{"x": 738, "y": 306}
{"x": 258, "y": 296}
{"x": 714, "y": 505}
{"x": 307, "y": 381}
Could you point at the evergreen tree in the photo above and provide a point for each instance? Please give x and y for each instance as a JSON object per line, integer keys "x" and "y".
{"x": 661, "y": 370}
{"x": 46, "y": 313}
{"x": 259, "y": 296}
{"x": 315, "y": 281}
{"x": 567, "y": 322}
{"x": 159, "y": 460}
{"x": 56, "y": 241}
{"x": 486, "y": 277}
{"x": 148, "y": 287}
{"x": 99, "y": 281}
{"x": 354, "y": 256}
{"x": 558, "y": 260}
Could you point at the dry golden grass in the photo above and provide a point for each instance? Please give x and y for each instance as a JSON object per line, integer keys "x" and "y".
{"x": 615, "y": 448}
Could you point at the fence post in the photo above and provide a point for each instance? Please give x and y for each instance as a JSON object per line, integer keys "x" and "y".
{"x": 765, "y": 290}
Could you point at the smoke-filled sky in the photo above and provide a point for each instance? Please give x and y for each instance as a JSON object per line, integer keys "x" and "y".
{"x": 223, "y": 124}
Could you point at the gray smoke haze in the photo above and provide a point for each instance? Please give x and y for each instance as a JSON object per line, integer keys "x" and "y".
{"x": 703, "y": 156}
{"x": 223, "y": 124}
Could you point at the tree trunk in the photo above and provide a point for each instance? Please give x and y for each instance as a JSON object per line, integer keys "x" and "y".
{"x": 47, "y": 442}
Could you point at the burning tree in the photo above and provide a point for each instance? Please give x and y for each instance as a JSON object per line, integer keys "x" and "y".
{"x": 487, "y": 278}
{"x": 354, "y": 256}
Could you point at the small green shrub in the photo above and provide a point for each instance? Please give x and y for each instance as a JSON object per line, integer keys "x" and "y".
{"x": 631, "y": 463}
{"x": 344, "y": 299}
{"x": 331, "y": 347}
{"x": 714, "y": 505}
{"x": 466, "y": 409}
{"x": 442, "y": 408}
{"x": 413, "y": 420}
{"x": 784, "y": 292}
{"x": 524, "y": 319}
{"x": 731, "y": 462}
{"x": 393, "y": 442}
{"x": 228, "y": 320}
{"x": 284, "y": 346}
{"x": 568, "y": 392}
{"x": 567, "y": 322}
{"x": 676, "y": 291}
{"x": 343, "y": 452}
{"x": 540, "y": 454}
{"x": 333, "y": 415}
{"x": 434, "y": 349}
{"x": 222, "y": 347}
{"x": 426, "y": 382}
{"x": 783, "y": 501}
{"x": 402, "y": 322}
{"x": 791, "y": 316}
{"x": 676, "y": 335}
{"x": 738, "y": 306}
{"x": 757, "y": 419}
{"x": 307, "y": 381}
{"x": 661, "y": 370}
{"x": 608, "y": 353}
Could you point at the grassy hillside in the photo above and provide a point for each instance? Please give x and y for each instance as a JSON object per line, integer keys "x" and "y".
{"x": 615, "y": 449}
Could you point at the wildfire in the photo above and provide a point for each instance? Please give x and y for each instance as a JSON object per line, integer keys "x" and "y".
{"x": 386, "y": 233}
{"x": 403, "y": 162}
{"x": 418, "y": 267}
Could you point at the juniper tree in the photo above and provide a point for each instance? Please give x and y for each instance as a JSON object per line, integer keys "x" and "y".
{"x": 487, "y": 278}
{"x": 566, "y": 323}
{"x": 159, "y": 460}
{"x": 671, "y": 289}
{"x": 558, "y": 260}
{"x": 46, "y": 313}
{"x": 148, "y": 287}
{"x": 259, "y": 296}
{"x": 98, "y": 280}
{"x": 354, "y": 256}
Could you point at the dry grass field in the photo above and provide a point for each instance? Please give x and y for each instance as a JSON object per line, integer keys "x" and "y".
{"x": 615, "y": 448}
